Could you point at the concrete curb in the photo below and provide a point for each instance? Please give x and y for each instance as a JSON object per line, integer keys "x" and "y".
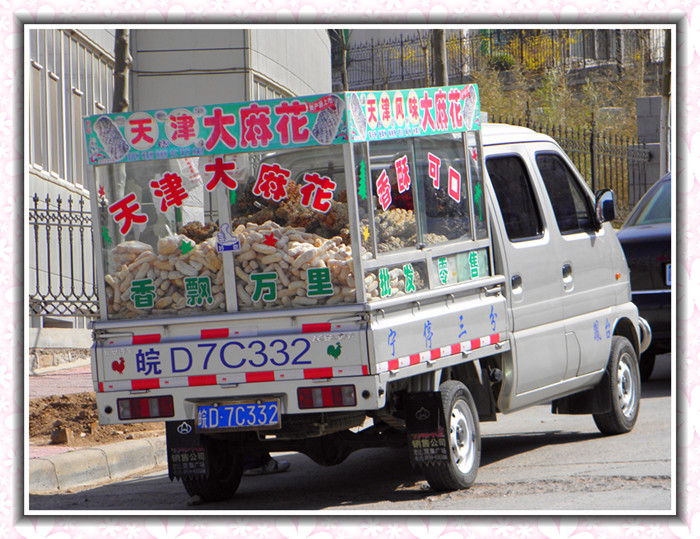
{"x": 96, "y": 465}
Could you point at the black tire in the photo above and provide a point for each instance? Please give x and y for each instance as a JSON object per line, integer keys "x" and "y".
{"x": 646, "y": 364}
{"x": 464, "y": 441}
{"x": 623, "y": 387}
{"x": 225, "y": 472}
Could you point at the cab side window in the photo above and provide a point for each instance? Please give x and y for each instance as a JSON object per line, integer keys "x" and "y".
{"x": 572, "y": 208}
{"x": 516, "y": 197}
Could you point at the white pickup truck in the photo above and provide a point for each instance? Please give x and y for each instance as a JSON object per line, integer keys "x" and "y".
{"x": 329, "y": 273}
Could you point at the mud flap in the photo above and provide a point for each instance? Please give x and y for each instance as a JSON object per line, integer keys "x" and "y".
{"x": 186, "y": 452}
{"x": 425, "y": 428}
{"x": 591, "y": 401}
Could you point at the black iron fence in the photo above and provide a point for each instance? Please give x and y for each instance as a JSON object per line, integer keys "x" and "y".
{"x": 62, "y": 259}
{"x": 606, "y": 160}
{"x": 407, "y": 59}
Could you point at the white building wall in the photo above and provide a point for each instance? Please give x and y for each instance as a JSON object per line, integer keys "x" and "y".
{"x": 174, "y": 67}
{"x": 296, "y": 61}
{"x": 185, "y": 67}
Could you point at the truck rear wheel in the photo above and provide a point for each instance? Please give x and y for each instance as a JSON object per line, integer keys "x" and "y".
{"x": 225, "y": 472}
{"x": 463, "y": 439}
{"x": 623, "y": 387}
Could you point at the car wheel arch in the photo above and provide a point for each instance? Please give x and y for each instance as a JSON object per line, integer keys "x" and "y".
{"x": 626, "y": 328}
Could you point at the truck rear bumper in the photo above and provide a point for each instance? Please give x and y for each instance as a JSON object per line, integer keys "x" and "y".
{"x": 186, "y": 399}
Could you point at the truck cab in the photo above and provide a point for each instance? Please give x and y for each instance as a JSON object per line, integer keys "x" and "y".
{"x": 330, "y": 273}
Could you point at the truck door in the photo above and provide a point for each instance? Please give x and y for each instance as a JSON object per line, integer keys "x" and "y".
{"x": 531, "y": 267}
{"x": 587, "y": 274}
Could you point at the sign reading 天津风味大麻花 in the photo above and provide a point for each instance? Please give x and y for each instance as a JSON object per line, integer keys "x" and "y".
{"x": 281, "y": 123}
{"x": 417, "y": 112}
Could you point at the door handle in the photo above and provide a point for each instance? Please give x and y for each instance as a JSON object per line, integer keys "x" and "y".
{"x": 516, "y": 282}
{"x": 567, "y": 272}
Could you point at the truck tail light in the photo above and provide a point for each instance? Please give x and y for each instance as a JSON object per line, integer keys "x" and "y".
{"x": 326, "y": 397}
{"x": 146, "y": 407}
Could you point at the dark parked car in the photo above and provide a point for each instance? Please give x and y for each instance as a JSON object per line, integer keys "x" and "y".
{"x": 646, "y": 239}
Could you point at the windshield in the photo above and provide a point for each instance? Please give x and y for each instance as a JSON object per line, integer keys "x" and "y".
{"x": 654, "y": 208}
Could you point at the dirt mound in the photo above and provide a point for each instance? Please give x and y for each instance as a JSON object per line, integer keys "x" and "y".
{"x": 72, "y": 420}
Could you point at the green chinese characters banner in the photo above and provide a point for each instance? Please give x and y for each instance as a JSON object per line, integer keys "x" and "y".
{"x": 394, "y": 114}
{"x": 216, "y": 129}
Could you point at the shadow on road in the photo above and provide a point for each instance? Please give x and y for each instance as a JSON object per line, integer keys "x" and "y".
{"x": 365, "y": 477}
{"x": 652, "y": 389}
{"x": 497, "y": 448}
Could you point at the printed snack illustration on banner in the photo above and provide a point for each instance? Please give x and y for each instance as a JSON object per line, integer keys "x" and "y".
{"x": 111, "y": 138}
{"x": 358, "y": 116}
{"x": 328, "y": 120}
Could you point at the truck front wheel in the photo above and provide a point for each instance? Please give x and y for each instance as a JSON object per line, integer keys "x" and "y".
{"x": 622, "y": 386}
{"x": 463, "y": 439}
{"x": 225, "y": 471}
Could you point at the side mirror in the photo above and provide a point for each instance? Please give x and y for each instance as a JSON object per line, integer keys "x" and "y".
{"x": 605, "y": 206}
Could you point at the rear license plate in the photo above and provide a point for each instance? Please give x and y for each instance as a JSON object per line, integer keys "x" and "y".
{"x": 668, "y": 274}
{"x": 258, "y": 414}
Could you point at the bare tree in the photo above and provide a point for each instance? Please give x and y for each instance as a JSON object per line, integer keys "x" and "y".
{"x": 342, "y": 38}
{"x": 120, "y": 97}
{"x": 122, "y": 66}
{"x": 426, "y": 64}
{"x": 439, "y": 57}
{"x": 665, "y": 108}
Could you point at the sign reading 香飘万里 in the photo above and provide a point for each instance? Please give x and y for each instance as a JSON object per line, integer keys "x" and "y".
{"x": 281, "y": 123}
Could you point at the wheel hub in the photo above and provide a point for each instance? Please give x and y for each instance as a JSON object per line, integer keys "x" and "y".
{"x": 462, "y": 441}
{"x": 625, "y": 387}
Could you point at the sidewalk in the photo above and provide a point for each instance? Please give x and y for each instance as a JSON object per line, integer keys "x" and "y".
{"x": 57, "y": 468}
{"x": 62, "y": 380}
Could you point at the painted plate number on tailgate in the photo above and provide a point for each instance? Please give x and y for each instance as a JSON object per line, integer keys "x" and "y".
{"x": 668, "y": 274}
{"x": 239, "y": 416}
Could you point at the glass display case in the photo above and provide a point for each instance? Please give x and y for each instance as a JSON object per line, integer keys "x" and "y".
{"x": 281, "y": 204}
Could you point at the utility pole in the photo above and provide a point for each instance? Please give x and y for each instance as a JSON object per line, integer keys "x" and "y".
{"x": 664, "y": 130}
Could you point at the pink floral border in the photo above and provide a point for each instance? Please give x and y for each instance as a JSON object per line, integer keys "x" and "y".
{"x": 12, "y": 365}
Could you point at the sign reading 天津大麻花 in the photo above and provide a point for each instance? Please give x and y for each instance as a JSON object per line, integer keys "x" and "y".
{"x": 215, "y": 129}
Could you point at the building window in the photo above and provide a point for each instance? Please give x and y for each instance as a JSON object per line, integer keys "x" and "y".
{"x": 263, "y": 89}
{"x": 69, "y": 78}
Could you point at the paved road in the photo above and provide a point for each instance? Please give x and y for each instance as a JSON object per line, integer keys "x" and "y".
{"x": 531, "y": 461}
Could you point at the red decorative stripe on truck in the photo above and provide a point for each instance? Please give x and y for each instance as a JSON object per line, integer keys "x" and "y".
{"x": 319, "y": 373}
{"x": 316, "y": 328}
{"x": 214, "y": 333}
{"x": 264, "y": 376}
{"x": 437, "y": 353}
{"x": 203, "y": 380}
{"x": 148, "y": 383}
{"x": 145, "y": 339}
